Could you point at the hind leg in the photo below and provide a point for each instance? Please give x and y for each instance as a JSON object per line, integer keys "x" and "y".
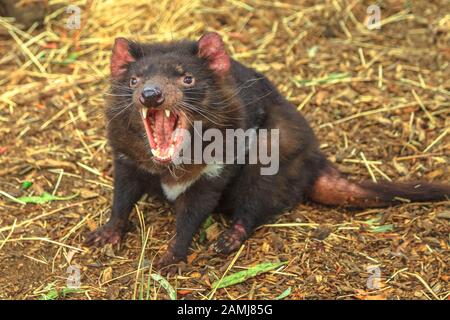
{"x": 253, "y": 200}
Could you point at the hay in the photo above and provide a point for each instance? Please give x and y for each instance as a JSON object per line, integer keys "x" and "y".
{"x": 378, "y": 100}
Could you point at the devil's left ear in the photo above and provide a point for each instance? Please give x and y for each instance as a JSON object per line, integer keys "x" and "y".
{"x": 211, "y": 48}
{"x": 120, "y": 58}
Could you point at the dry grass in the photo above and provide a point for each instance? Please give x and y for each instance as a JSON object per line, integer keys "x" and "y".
{"x": 378, "y": 100}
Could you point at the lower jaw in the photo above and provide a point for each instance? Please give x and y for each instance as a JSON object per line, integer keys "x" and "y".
{"x": 163, "y": 155}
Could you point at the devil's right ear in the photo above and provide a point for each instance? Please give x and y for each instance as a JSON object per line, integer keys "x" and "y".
{"x": 121, "y": 57}
{"x": 211, "y": 48}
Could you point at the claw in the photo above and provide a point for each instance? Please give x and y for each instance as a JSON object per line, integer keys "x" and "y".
{"x": 231, "y": 240}
{"x": 169, "y": 264}
{"x": 109, "y": 233}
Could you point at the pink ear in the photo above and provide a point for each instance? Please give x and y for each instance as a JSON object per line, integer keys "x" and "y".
{"x": 120, "y": 57}
{"x": 211, "y": 47}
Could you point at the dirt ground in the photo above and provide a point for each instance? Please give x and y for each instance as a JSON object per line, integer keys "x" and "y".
{"x": 377, "y": 99}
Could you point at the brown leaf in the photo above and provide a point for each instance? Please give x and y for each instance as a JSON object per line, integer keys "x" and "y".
{"x": 91, "y": 224}
{"x": 363, "y": 295}
{"x": 320, "y": 97}
{"x": 192, "y": 257}
{"x": 107, "y": 274}
{"x": 184, "y": 292}
{"x": 195, "y": 275}
{"x": 88, "y": 194}
{"x": 50, "y": 163}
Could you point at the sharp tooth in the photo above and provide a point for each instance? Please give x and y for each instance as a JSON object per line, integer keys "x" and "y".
{"x": 167, "y": 111}
{"x": 144, "y": 112}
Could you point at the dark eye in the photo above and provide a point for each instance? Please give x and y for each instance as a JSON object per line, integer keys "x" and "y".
{"x": 133, "y": 81}
{"x": 188, "y": 80}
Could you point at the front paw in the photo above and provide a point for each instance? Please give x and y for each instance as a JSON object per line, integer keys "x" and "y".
{"x": 170, "y": 264}
{"x": 109, "y": 233}
{"x": 231, "y": 240}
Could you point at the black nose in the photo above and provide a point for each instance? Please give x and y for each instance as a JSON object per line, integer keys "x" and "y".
{"x": 151, "y": 96}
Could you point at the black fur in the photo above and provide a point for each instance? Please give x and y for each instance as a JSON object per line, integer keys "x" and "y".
{"x": 241, "y": 98}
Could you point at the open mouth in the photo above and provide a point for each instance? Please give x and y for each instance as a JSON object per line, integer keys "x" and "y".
{"x": 161, "y": 126}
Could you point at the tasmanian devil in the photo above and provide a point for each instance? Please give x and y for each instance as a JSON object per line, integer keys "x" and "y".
{"x": 159, "y": 88}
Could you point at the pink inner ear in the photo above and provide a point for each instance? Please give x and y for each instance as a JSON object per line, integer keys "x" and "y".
{"x": 211, "y": 47}
{"x": 120, "y": 58}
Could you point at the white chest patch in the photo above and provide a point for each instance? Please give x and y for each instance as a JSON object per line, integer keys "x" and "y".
{"x": 172, "y": 191}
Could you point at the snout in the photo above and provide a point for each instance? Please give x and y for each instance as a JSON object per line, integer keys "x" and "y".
{"x": 151, "y": 96}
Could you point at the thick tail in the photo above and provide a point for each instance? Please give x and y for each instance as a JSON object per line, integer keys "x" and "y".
{"x": 331, "y": 188}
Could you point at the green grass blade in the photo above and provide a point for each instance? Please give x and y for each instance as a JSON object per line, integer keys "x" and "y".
{"x": 242, "y": 276}
{"x": 45, "y": 197}
{"x": 382, "y": 228}
{"x": 166, "y": 285}
{"x": 284, "y": 294}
